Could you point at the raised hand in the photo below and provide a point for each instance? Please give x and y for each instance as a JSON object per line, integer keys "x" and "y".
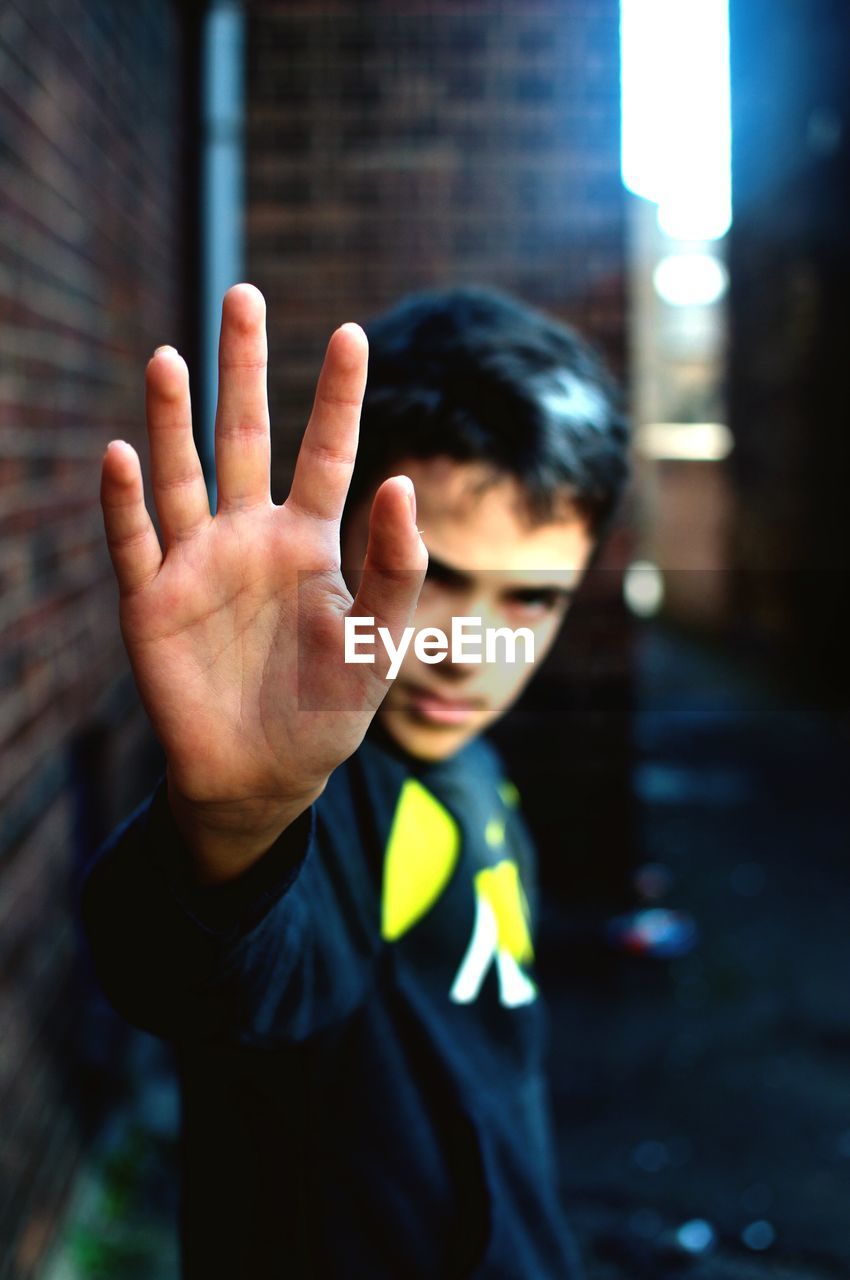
{"x": 234, "y": 623}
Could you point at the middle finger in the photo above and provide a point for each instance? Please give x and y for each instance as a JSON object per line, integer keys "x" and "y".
{"x": 242, "y": 446}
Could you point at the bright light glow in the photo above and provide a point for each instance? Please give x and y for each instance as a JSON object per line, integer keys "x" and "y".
{"x": 696, "y": 1236}
{"x": 643, "y": 588}
{"x": 690, "y": 279}
{"x": 676, "y": 130}
{"x": 684, "y": 441}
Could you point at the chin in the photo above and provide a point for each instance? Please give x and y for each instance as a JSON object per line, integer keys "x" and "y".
{"x": 426, "y": 742}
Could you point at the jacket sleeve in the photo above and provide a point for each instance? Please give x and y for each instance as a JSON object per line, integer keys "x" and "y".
{"x": 270, "y": 957}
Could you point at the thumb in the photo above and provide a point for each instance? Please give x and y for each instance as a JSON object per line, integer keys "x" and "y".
{"x": 396, "y": 559}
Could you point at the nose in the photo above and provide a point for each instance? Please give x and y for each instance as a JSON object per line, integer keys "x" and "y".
{"x": 483, "y": 609}
{"x": 457, "y": 672}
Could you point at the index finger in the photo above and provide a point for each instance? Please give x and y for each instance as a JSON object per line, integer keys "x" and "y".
{"x": 329, "y": 447}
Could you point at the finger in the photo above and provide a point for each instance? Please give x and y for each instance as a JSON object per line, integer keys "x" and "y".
{"x": 242, "y": 448}
{"x": 130, "y": 535}
{"x": 178, "y": 481}
{"x": 396, "y": 558}
{"x": 327, "y": 453}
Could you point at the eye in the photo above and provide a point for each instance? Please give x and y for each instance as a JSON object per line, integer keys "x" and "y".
{"x": 534, "y": 602}
{"x": 441, "y": 576}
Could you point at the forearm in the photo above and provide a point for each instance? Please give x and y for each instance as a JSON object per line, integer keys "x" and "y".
{"x": 160, "y": 939}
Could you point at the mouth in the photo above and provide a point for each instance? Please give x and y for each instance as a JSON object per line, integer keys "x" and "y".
{"x": 434, "y": 708}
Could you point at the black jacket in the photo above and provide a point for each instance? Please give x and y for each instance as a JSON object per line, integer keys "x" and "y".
{"x": 358, "y": 1031}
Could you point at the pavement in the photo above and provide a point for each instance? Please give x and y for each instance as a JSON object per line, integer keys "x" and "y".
{"x": 702, "y": 1103}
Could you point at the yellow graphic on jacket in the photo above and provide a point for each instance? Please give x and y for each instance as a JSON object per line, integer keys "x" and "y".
{"x": 421, "y": 855}
{"x": 500, "y": 887}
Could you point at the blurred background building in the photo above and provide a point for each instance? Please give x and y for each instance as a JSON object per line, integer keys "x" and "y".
{"x": 339, "y": 155}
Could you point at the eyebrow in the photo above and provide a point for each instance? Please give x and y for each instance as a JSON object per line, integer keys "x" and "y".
{"x": 463, "y": 580}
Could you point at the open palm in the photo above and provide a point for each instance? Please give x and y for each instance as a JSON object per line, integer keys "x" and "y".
{"x": 234, "y": 624}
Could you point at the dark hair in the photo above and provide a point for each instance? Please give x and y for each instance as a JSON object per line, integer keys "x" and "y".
{"x": 474, "y": 375}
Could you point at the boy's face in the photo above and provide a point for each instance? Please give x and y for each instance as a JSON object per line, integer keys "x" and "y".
{"x": 488, "y": 560}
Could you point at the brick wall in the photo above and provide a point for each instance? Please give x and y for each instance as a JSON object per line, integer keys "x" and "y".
{"x": 89, "y": 269}
{"x": 401, "y": 146}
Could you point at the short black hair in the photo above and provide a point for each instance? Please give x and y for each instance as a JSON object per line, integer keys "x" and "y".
{"x": 474, "y": 375}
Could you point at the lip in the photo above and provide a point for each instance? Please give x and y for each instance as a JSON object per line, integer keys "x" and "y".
{"x": 436, "y": 709}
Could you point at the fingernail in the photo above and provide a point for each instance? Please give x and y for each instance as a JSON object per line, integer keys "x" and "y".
{"x": 167, "y": 347}
{"x": 411, "y": 498}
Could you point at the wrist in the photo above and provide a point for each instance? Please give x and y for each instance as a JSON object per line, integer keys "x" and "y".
{"x": 224, "y": 839}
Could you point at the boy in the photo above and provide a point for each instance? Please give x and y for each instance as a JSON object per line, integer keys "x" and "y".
{"x": 328, "y": 905}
